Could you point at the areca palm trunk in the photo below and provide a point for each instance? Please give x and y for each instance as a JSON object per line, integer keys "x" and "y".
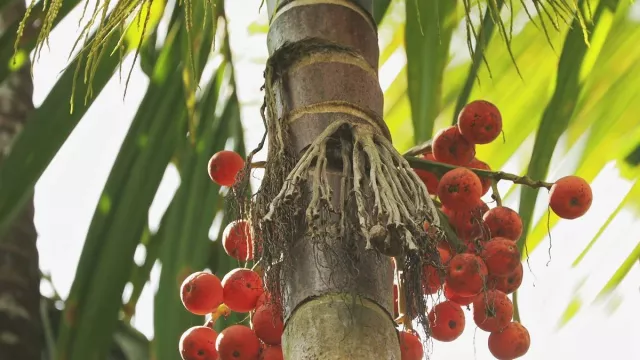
{"x": 324, "y": 318}
{"x": 20, "y": 330}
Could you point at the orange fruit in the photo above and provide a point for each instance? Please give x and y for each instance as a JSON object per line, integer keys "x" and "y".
{"x": 241, "y": 289}
{"x": 466, "y": 274}
{"x": 410, "y": 346}
{"x": 236, "y": 240}
{"x": 201, "y": 293}
{"x": 224, "y": 166}
{"x": 468, "y": 223}
{"x": 492, "y": 310}
{"x": 480, "y": 122}
{"x": 272, "y": 353}
{"x": 454, "y": 297}
{"x": 503, "y": 222}
{"x": 501, "y": 256}
{"x": 198, "y": 343}
{"x": 434, "y": 276}
{"x": 238, "y": 342}
{"x": 263, "y": 299}
{"x": 267, "y": 323}
{"x": 510, "y": 343}
{"x": 507, "y": 284}
{"x": 570, "y": 197}
{"x": 446, "y": 321}
{"x": 459, "y": 189}
{"x": 450, "y": 147}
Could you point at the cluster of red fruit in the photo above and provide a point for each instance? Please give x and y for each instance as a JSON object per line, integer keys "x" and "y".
{"x": 480, "y": 122}
{"x": 481, "y": 273}
{"x": 487, "y": 268}
{"x": 241, "y": 290}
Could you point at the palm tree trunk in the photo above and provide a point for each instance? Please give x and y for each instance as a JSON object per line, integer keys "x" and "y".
{"x": 323, "y": 319}
{"x": 20, "y": 325}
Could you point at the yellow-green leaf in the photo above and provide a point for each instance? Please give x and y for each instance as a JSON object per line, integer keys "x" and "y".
{"x": 570, "y": 311}
{"x": 141, "y": 26}
{"x": 604, "y": 227}
{"x": 621, "y": 272}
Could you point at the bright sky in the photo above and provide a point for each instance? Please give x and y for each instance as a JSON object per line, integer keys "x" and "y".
{"x": 68, "y": 191}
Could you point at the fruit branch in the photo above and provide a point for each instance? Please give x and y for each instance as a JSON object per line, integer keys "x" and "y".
{"x": 495, "y": 194}
{"x": 449, "y": 234}
{"x": 419, "y": 149}
{"x": 440, "y": 168}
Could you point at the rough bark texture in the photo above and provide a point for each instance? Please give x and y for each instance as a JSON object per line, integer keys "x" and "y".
{"x": 325, "y": 319}
{"x": 20, "y": 330}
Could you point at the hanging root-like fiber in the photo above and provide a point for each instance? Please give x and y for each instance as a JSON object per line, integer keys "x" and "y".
{"x": 378, "y": 201}
{"x": 401, "y": 203}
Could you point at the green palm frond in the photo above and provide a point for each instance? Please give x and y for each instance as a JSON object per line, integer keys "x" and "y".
{"x": 116, "y": 16}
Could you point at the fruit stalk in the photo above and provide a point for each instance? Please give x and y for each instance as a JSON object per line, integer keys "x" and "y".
{"x": 495, "y": 195}
{"x": 441, "y": 168}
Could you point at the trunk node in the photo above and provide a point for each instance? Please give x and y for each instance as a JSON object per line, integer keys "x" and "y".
{"x": 337, "y": 21}
{"x": 340, "y": 327}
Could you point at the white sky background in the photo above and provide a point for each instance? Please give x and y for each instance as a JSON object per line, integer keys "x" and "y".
{"x": 68, "y": 191}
